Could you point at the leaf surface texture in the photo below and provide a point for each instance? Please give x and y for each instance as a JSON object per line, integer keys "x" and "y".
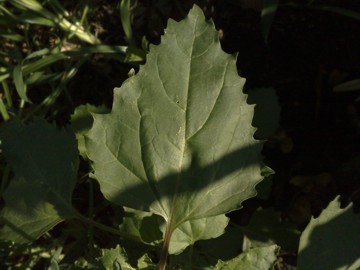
{"x": 179, "y": 141}
{"x": 334, "y": 237}
{"x": 44, "y": 160}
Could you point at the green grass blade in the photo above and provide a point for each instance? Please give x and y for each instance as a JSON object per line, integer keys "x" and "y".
{"x": 19, "y": 82}
{"x": 43, "y": 62}
{"x": 40, "y": 77}
{"x": 77, "y": 30}
{"x": 12, "y": 36}
{"x": 34, "y": 18}
{"x": 3, "y": 110}
{"x": 7, "y": 93}
{"x": 333, "y": 9}
{"x": 84, "y": 13}
{"x": 4, "y": 76}
{"x": 34, "y": 6}
{"x": 52, "y": 58}
{"x": 126, "y": 19}
{"x": 337, "y": 10}
{"x": 63, "y": 23}
{"x": 37, "y": 54}
{"x": 58, "y": 8}
{"x": 28, "y": 16}
{"x": 267, "y": 17}
{"x": 105, "y": 49}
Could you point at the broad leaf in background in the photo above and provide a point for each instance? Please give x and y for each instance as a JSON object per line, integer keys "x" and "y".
{"x": 142, "y": 226}
{"x": 205, "y": 254}
{"x": 81, "y": 122}
{"x": 199, "y": 229}
{"x": 115, "y": 258}
{"x": 264, "y": 187}
{"x": 266, "y": 228}
{"x": 44, "y": 160}
{"x": 179, "y": 141}
{"x": 145, "y": 263}
{"x": 331, "y": 241}
{"x": 261, "y": 258}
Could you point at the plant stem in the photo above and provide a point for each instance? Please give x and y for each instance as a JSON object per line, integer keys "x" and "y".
{"x": 91, "y": 214}
{"x": 103, "y": 227}
{"x": 98, "y": 225}
{"x": 165, "y": 248}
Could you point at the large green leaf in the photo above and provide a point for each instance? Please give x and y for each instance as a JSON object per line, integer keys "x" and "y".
{"x": 331, "y": 241}
{"x": 261, "y": 258}
{"x": 141, "y": 226}
{"x": 179, "y": 141}
{"x": 194, "y": 230}
{"x": 266, "y": 228}
{"x": 145, "y": 227}
{"x": 205, "y": 254}
{"x": 44, "y": 160}
{"x": 81, "y": 122}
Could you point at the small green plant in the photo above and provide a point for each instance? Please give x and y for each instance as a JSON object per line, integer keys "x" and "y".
{"x": 173, "y": 156}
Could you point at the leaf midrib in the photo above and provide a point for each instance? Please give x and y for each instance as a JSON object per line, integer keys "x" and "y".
{"x": 186, "y": 117}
